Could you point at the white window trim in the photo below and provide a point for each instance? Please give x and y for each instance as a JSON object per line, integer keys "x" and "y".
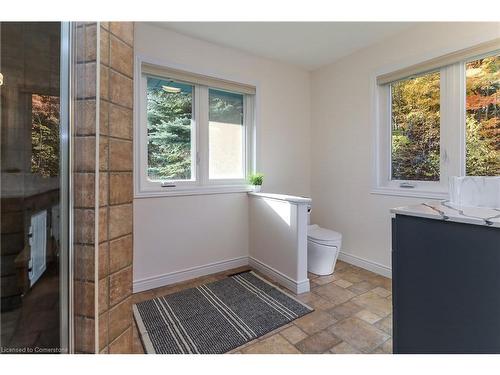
{"x": 143, "y": 188}
{"x": 452, "y": 135}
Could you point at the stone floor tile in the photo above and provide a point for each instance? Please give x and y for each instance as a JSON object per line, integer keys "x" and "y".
{"x": 311, "y": 275}
{"x": 334, "y": 293}
{"x": 313, "y": 285}
{"x": 364, "y": 274}
{"x": 275, "y": 331}
{"x": 293, "y": 334}
{"x": 345, "y": 310}
{"x": 276, "y": 344}
{"x": 137, "y": 347}
{"x": 318, "y": 343}
{"x": 368, "y": 316}
{"x": 143, "y": 296}
{"x": 382, "y": 292}
{"x": 387, "y": 346}
{"x": 342, "y": 283}
{"x": 168, "y": 289}
{"x": 315, "y": 301}
{"x": 374, "y": 303}
{"x": 314, "y": 322}
{"x": 341, "y": 265}
{"x": 350, "y": 275}
{"x": 344, "y": 348}
{"x": 382, "y": 281}
{"x": 359, "y": 334}
{"x": 385, "y": 324}
{"x": 361, "y": 287}
{"x": 322, "y": 280}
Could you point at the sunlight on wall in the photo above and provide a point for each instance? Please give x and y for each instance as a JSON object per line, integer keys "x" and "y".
{"x": 283, "y": 209}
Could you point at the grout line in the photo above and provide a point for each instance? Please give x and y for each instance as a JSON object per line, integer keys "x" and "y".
{"x": 120, "y": 270}
{"x": 111, "y": 68}
{"x": 108, "y": 286}
{"x": 120, "y": 138}
{"x": 119, "y": 105}
{"x": 118, "y": 37}
{"x": 96, "y": 188}
{"x": 120, "y": 73}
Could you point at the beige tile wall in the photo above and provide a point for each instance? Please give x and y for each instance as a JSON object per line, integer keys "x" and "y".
{"x": 84, "y": 179}
{"x": 107, "y": 245}
{"x": 115, "y": 188}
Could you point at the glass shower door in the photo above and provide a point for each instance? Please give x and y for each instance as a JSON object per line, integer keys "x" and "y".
{"x": 34, "y": 174}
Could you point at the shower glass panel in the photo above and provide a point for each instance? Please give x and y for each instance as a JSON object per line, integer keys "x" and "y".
{"x": 34, "y": 207}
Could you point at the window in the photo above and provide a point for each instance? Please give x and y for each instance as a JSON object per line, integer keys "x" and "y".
{"x": 195, "y": 133}
{"x": 226, "y": 135}
{"x": 483, "y": 117}
{"x": 415, "y": 128}
{"x": 438, "y": 119}
{"x": 170, "y": 130}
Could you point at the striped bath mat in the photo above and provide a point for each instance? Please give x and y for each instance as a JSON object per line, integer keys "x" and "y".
{"x": 215, "y": 317}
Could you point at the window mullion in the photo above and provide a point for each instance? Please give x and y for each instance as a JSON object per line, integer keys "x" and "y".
{"x": 445, "y": 118}
{"x": 462, "y": 95}
{"x": 452, "y": 122}
{"x": 202, "y": 138}
{"x": 249, "y": 141}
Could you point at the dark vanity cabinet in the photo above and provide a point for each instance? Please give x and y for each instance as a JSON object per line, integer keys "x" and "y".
{"x": 446, "y": 286}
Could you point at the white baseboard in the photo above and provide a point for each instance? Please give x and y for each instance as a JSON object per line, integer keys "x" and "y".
{"x": 297, "y": 287}
{"x": 366, "y": 264}
{"x": 187, "y": 274}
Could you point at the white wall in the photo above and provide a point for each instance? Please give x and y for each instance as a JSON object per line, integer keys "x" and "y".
{"x": 175, "y": 233}
{"x": 278, "y": 239}
{"x": 341, "y": 133}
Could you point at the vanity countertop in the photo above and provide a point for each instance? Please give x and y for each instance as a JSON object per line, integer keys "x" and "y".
{"x": 445, "y": 211}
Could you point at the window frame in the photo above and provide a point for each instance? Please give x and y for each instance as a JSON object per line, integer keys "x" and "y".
{"x": 452, "y": 133}
{"x": 201, "y": 183}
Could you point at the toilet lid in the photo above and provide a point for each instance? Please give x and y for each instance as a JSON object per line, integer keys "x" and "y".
{"x": 315, "y": 232}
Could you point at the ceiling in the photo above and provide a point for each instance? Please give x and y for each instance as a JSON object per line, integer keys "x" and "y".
{"x": 306, "y": 44}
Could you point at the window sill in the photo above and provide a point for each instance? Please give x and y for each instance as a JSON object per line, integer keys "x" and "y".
{"x": 411, "y": 193}
{"x": 199, "y": 190}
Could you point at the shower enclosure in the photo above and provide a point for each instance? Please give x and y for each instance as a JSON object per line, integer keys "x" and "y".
{"x": 35, "y": 111}
{"x": 53, "y": 98}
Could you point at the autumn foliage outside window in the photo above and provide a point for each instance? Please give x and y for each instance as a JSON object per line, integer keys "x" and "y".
{"x": 483, "y": 117}
{"x": 415, "y": 123}
{"x": 415, "y": 127}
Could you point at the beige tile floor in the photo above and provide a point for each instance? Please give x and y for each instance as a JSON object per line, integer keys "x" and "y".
{"x": 353, "y": 314}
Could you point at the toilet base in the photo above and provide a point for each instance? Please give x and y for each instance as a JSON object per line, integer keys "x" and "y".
{"x": 321, "y": 259}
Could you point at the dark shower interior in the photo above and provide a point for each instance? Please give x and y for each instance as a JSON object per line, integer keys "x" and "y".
{"x": 30, "y": 185}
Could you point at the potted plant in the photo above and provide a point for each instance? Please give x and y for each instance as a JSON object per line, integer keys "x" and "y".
{"x": 256, "y": 180}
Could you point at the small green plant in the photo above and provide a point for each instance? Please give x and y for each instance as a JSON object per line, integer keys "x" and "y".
{"x": 256, "y": 179}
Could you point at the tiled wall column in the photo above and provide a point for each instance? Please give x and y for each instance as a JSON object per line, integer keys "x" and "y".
{"x": 115, "y": 187}
{"x": 84, "y": 181}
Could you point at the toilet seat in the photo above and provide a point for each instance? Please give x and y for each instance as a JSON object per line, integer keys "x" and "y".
{"x": 323, "y": 236}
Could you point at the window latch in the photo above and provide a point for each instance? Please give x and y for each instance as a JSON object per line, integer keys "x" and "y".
{"x": 167, "y": 185}
{"x": 407, "y": 185}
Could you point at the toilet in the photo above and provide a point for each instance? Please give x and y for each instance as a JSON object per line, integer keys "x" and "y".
{"x": 323, "y": 247}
